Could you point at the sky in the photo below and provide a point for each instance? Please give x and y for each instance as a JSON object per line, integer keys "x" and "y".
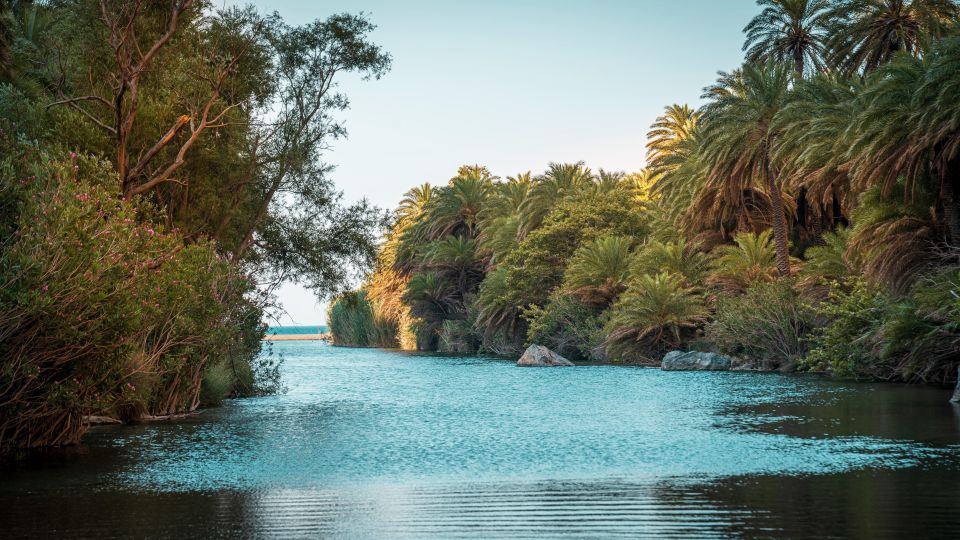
{"x": 514, "y": 85}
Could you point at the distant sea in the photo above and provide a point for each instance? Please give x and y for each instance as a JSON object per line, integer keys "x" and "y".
{"x": 321, "y": 329}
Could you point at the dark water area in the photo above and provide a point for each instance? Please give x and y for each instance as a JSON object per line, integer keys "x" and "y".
{"x": 380, "y": 444}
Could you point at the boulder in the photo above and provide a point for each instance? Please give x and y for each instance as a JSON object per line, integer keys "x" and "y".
{"x": 695, "y": 361}
{"x": 956, "y": 391}
{"x": 540, "y": 356}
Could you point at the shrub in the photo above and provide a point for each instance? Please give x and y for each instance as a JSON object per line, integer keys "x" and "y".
{"x": 568, "y": 326}
{"x": 844, "y": 346}
{"x": 355, "y": 321}
{"x": 876, "y": 335}
{"x": 656, "y": 314}
{"x": 104, "y": 312}
{"x": 769, "y": 324}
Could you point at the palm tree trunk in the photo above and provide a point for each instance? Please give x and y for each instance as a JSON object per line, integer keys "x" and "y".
{"x": 779, "y": 224}
{"x": 816, "y": 221}
{"x": 950, "y": 198}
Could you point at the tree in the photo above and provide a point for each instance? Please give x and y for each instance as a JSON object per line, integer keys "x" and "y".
{"x": 667, "y": 140}
{"x": 904, "y": 130}
{"x": 751, "y": 259}
{"x": 791, "y": 31}
{"x": 738, "y": 139}
{"x": 868, "y": 33}
{"x": 500, "y": 217}
{"x": 653, "y": 314}
{"x": 456, "y": 208}
{"x": 559, "y": 181}
{"x": 677, "y": 257}
{"x": 814, "y": 141}
{"x": 220, "y": 118}
{"x": 598, "y": 271}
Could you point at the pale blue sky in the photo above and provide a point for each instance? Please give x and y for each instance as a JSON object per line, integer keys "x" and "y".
{"x": 514, "y": 85}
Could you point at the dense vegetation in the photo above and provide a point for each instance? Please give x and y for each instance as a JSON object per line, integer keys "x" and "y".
{"x": 807, "y": 215}
{"x": 160, "y": 174}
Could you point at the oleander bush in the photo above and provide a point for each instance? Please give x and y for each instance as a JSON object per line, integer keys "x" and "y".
{"x": 106, "y": 313}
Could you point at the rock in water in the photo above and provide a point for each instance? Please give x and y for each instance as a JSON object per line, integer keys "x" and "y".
{"x": 956, "y": 392}
{"x": 695, "y": 361}
{"x": 540, "y": 356}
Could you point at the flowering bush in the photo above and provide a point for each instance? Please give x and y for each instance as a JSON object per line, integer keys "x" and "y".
{"x": 105, "y": 312}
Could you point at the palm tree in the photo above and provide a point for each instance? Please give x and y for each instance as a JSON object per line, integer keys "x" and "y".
{"x": 752, "y": 259}
{"x": 666, "y": 139}
{"x": 738, "y": 138}
{"x": 559, "y": 181}
{"x": 607, "y": 182}
{"x": 496, "y": 311}
{"x": 789, "y": 31}
{"x": 814, "y": 138}
{"x": 868, "y": 33}
{"x": 830, "y": 262}
{"x": 500, "y": 216}
{"x": 431, "y": 298}
{"x": 894, "y": 240}
{"x": 676, "y": 257}
{"x": 455, "y": 258}
{"x": 456, "y": 208}
{"x": 598, "y": 271}
{"x": 412, "y": 205}
{"x": 655, "y": 310}
{"x": 905, "y": 131}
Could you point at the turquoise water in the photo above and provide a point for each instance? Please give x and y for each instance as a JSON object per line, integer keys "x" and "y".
{"x": 380, "y": 444}
{"x": 316, "y": 329}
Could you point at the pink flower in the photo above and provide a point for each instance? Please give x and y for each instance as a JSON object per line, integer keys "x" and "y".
{"x": 73, "y": 155}
{"x": 46, "y": 288}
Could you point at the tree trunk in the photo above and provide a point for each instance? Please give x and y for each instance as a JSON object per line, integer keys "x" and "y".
{"x": 950, "y": 199}
{"x": 779, "y": 224}
{"x": 816, "y": 221}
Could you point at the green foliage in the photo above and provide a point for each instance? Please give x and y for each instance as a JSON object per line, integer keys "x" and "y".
{"x": 769, "y": 324}
{"x": 656, "y": 314}
{"x": 568, "y": 326}
{"x": 829, "y": 263}
{"x": 791, "y": 32}
{"x": 752, "y": 259}
{"x": 913, "y": 338}
{"x": 677, "y": 258}
{"x": 867, "y": 33}
{"x": 844, "y": 346}
{"x": 356, "y": 322}
{"x": 106, "y": 314}
{"x": 536, "y": 267}
{"x": 598, "y": 271}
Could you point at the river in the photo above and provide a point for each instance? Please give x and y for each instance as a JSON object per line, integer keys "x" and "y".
{"x": 382, "y": 444}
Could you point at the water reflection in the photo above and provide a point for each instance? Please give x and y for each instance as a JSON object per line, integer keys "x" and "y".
{"x": 867, "y": 504}
{"x": 370, "y": 444}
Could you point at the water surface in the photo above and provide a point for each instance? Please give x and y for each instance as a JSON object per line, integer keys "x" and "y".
{"x": 379, "y": 444}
